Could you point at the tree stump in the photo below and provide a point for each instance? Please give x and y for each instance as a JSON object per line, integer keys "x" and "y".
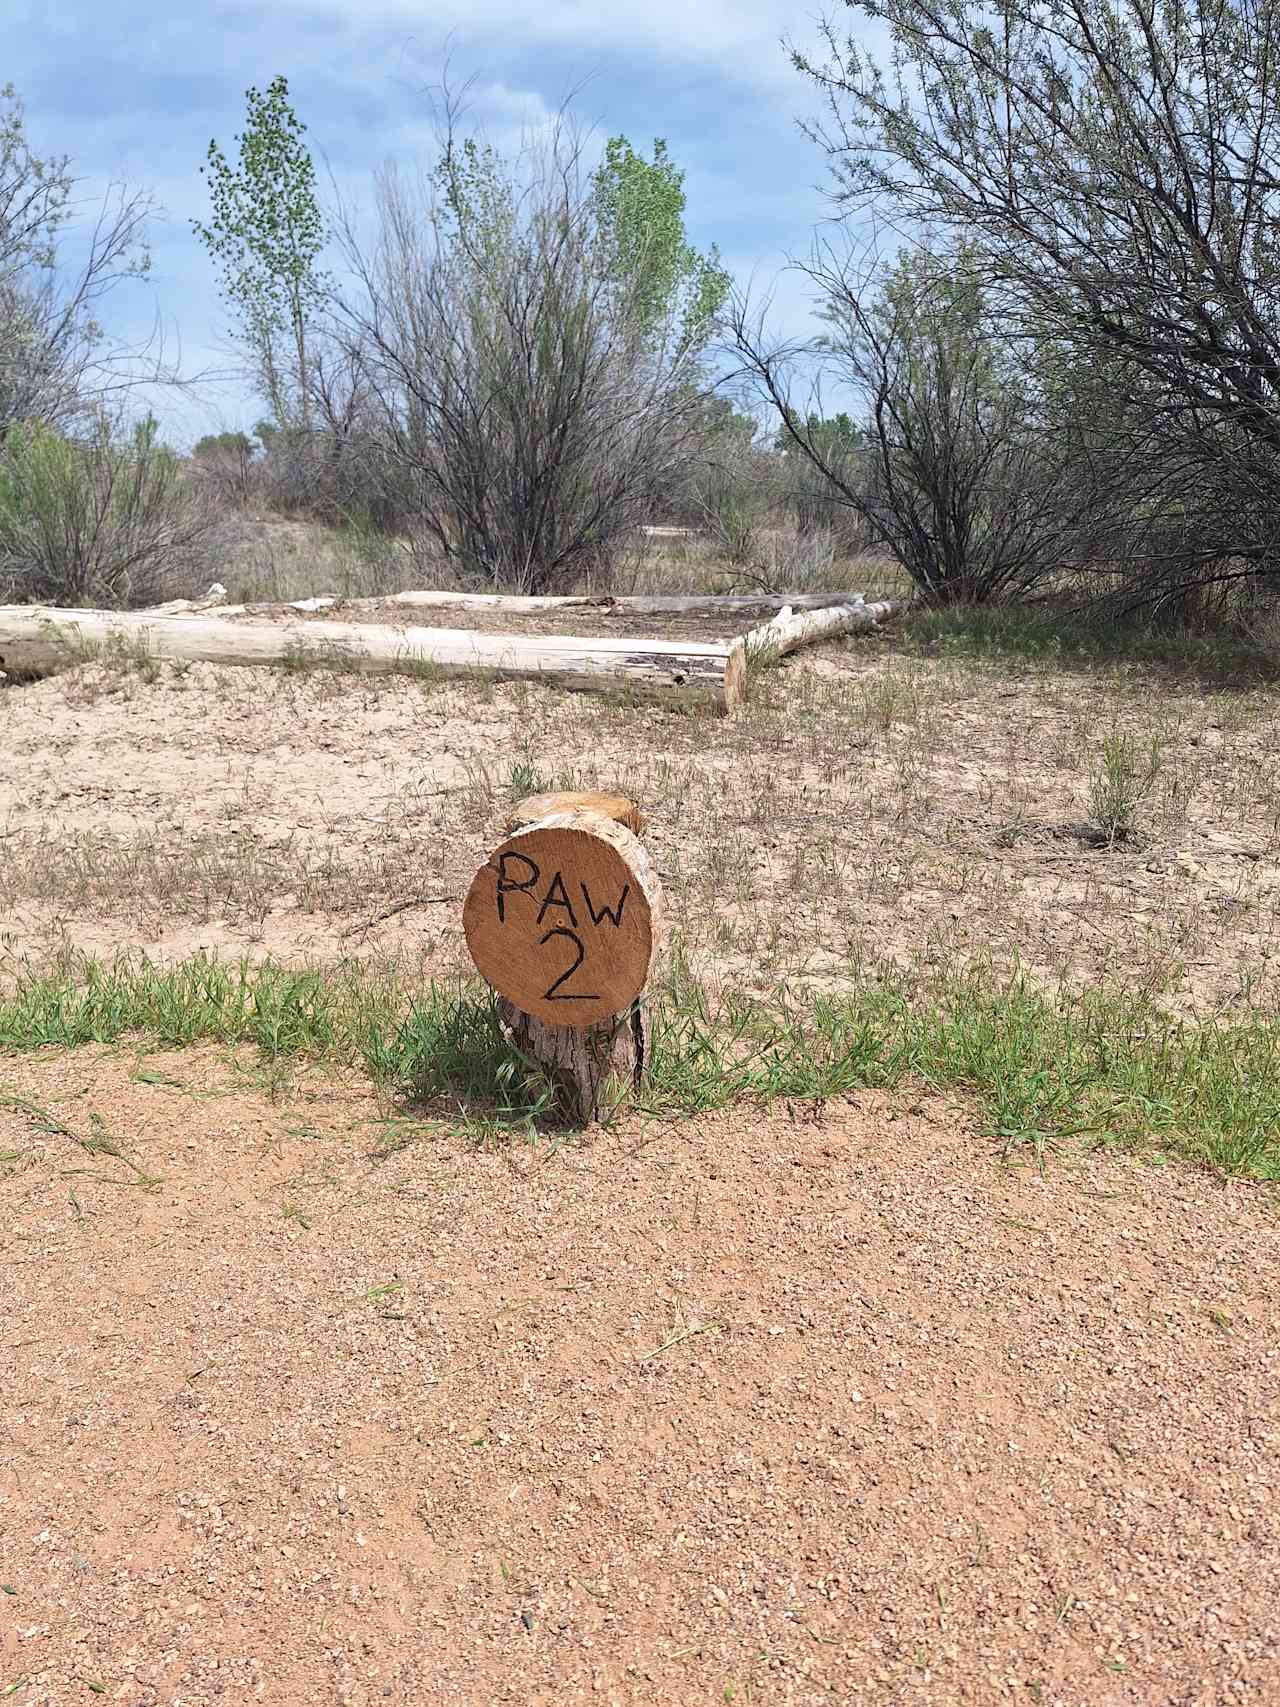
{"x": 564, "y": 920}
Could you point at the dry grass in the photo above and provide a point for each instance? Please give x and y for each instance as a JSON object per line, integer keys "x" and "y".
{"x": 873, "y": 808}
{"x": 280, "y": 559}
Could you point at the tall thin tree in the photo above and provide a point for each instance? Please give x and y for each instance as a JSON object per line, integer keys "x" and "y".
{"x": 267, "y": 233}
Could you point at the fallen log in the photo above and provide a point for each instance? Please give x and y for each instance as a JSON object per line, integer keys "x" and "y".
{"x": 518, "y": 604}
{"x": 35, "y": 640}
{"x": 793, "y": 628}
{"x": 636, "y": 604}
{"x": 500, "y": 604}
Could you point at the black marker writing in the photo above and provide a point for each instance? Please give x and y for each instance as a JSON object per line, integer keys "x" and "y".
{"x": 614, "y": 915}
{"x": 549, "y": 994}
{"x": 507, "y": 887}
{"x": 557, "y": 896}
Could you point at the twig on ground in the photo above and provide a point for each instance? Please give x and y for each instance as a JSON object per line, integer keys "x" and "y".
{"x": 400, "y": 907}
{"x": 679, "y": 1335}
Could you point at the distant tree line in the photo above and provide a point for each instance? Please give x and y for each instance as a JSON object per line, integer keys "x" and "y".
{"x": 1061, "y": 373}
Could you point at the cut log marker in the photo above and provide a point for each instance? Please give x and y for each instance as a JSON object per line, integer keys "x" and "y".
{"x": 563, "y": 920}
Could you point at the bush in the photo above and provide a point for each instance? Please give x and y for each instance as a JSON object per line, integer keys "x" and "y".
{"x": 949, "y": 472}
{"x": 99, "y": 524}
{"x": 531, "y": 369}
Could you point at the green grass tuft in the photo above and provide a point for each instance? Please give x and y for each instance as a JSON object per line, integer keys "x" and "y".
{"x": 1043, "y": 1072}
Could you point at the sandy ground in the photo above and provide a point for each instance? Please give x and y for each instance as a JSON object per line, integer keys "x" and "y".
{"x": 596, "y": 622}
{"x": 870, "y": 809}
{"x": 820, "y": 1406}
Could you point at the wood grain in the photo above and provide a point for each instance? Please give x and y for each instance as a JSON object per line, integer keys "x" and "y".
{"x": 563, "y": 918}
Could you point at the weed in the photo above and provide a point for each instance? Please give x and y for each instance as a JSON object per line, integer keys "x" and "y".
{"x": 1123, "y": 779}
{"x": 525, "y": 779}
{"x": 1123, "y": 1072}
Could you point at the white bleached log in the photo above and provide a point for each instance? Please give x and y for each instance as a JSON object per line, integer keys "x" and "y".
{"x": 518, "y": 604}
{"x": 636, "y": 604}
{"x": 35, "y": 639}
{"x": 792, "y": 628}
{"x": 511, "y": 604}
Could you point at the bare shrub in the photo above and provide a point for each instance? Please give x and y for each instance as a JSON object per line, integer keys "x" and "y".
{"x": 956, "y": 481}
{"x": 224, "y": 464}
{"x": 736, "y": 496}
{"x": 57, "y": 364}
{"x": 527, "y": 399}
{"x": 1118, "y": 166}
{"x": 815, "y": 507}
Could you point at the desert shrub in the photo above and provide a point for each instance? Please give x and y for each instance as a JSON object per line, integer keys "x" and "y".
{"x": 1117, "y": 166}
{"x": 1124, "y": 777}
{"x": 528, "y": 337}
{"x": 950, "y": 471}
{"x": 100, "y": 523}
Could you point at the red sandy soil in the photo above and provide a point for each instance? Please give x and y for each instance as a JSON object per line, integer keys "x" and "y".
{"x": 794, "y": 1406}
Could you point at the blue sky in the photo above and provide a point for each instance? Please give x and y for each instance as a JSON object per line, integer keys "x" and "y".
{"x": 135, "y": 91}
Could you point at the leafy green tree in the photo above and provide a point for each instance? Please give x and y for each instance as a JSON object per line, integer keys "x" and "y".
{"x": 267, "y": 234}
{"x": 215, "y": 444}
{"x": 1119, "y": 162}
{"x": 835, "y": 433}
{"x": 640, "y": 206}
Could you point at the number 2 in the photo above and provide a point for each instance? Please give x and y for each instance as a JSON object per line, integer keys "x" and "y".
{"x": 549, "y": 994}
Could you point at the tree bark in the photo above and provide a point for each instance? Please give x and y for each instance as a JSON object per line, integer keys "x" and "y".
{"x": 594, "y": 1071}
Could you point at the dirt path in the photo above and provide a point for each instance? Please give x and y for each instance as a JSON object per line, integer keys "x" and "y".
{"x": 825, "y": 1407}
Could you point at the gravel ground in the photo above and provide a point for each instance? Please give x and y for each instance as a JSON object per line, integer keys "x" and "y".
{"x": 803, "y": 1407}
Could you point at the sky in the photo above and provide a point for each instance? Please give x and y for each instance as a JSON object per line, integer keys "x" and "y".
{"x": 134, "y": 91}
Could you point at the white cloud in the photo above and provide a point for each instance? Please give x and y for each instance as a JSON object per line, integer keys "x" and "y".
{"x": 136, "y": 91}
{"x": 734, "y": 39}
